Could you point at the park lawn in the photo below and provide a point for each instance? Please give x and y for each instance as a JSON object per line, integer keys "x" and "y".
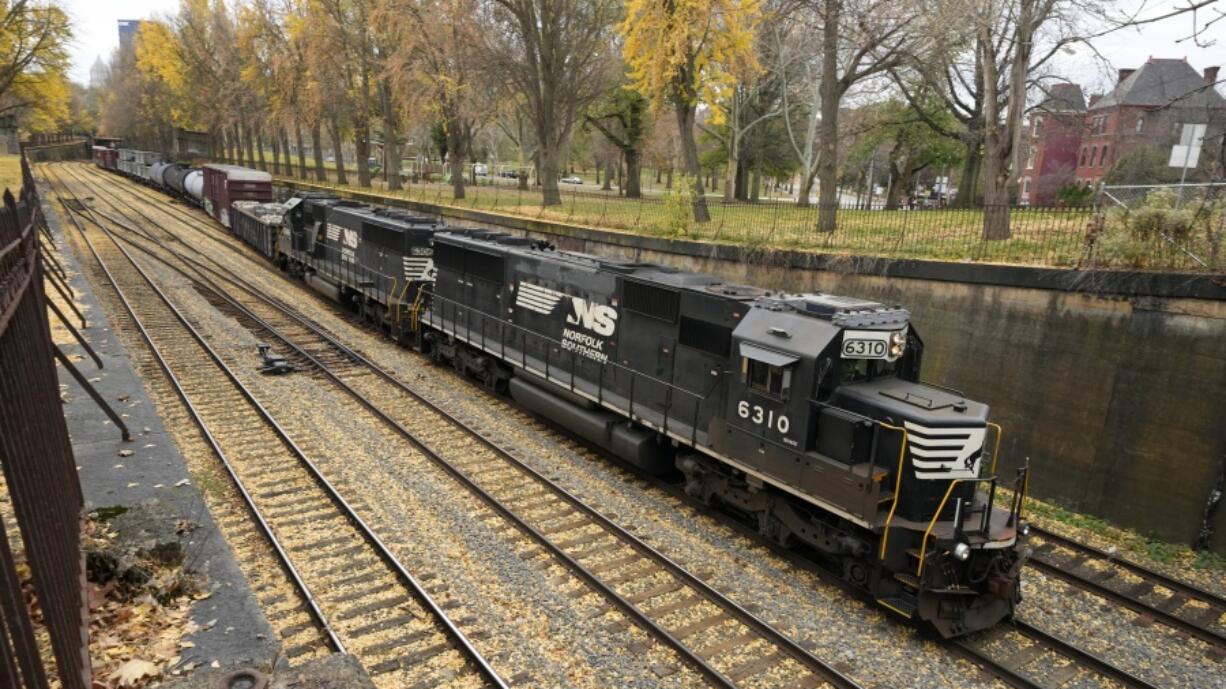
{"x": 1043, "y": 237}
{"x": 10, "y": 173}
{"x": 1055, "y": 237}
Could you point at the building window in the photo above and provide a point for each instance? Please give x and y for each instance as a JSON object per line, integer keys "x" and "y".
{"x": 1083, "y": 157}
{"x": 1140, "y": 123}
{"x": 1093, "y": 156}
{"x": 1038, "y": 124}
{"x": 1030, "y": 155}
{"x": 1026, "y": 187}
{"x": 1102, "y": 158}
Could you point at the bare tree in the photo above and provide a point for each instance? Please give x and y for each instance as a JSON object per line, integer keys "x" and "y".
{"x": 557, "y": 54}
{"x": 860, "y": 39}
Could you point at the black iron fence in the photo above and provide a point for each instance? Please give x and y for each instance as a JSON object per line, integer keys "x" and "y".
{"x": 1072, "y": 237}
{"x": 39, "y": 471}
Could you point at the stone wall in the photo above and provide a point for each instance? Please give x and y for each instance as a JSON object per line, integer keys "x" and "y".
{"x": 1112, "y": 384}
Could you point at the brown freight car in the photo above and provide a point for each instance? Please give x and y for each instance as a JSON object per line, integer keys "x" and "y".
{"x": 225, "y": 184}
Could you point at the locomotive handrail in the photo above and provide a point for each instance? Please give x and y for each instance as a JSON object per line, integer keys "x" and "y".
{"x": 599, "y": 397}
{"x": 902, "y": 455}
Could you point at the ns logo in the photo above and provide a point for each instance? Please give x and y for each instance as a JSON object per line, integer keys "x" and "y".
{"x": 598, "y": 318}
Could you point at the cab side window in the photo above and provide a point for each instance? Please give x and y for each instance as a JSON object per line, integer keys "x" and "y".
{"x": 764, "y": 379}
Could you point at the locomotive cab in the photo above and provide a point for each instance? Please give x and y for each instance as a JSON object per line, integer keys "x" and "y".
{"x": 825, "y": 398}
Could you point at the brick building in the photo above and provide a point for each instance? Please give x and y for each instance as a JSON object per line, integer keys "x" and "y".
{"x": 1147, "y": 108}
{"x": 1052, "y": 136}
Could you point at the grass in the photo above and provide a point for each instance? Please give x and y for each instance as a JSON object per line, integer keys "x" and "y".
{"x": 1043, "y": 237}
{"x": 10, "y": 173}
{"x": 1130, "y": 542}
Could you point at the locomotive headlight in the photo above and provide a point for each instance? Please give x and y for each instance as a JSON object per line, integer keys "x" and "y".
{"x": 1023, "y": 528}
{"x": 895, "y": 350}
{"x": 962, "y": 551}
{"x": 898, "y": 339}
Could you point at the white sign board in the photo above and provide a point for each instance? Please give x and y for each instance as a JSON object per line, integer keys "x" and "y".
{"x": 1187, "y": 152}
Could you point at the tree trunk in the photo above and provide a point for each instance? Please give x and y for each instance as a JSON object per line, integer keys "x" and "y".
{"x": 731, "y": 167}
{"x": 828, "y": 135}
{"x": 334, "y": 130}
{"x": 276, "y": 154}
{"x": 317, "y": 151}
{"x": 689, "y": 156}
{"x": 302, "y": 172}
{"x": 633, "y": 172}
{"x": 361, "y": 145}
{"x": 668, "y": 182}
{"x": 547, "y": 175}
{"x": 755, "y": 185}
{"x": 259, "y": 148}
{"x": 598, "y": 171}
{"x": 391, "y": 137}
{"x": 995, "y": 198}
{"x": 608, "y": 175}
{"x": 457, "y": 150}
{"x": 968, "y": 181}
{"x": 806, "y": 189}
{"x": 250, "y": 139}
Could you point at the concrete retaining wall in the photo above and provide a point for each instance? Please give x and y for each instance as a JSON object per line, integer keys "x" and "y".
{"x": 1112, "y": 383}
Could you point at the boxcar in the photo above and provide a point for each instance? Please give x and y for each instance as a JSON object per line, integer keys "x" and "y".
{"x": 225, "y": 184}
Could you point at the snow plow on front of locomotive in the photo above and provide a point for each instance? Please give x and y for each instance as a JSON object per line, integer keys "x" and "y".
{"x": 950, "y": 545}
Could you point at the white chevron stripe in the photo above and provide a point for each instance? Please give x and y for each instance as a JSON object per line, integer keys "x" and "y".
{"x": 945, "y": 453}
{"x": 538, "y": 299}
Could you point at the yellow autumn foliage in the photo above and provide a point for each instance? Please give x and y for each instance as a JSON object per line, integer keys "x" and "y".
{"x": 689, "y": 50}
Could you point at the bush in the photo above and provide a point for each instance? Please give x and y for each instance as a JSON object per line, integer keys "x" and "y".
{"x": 679, "y": 207}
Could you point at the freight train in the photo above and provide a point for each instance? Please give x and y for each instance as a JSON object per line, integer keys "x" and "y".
{"x": 802, "y": 413}
{"x": 213, "y": 187}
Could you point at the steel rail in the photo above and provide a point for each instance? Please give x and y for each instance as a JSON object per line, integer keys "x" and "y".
{"x": 1157, "y": 577}
{"x": 1007, "y": 674}
{"x": 1064, "y": 648}
{"x": 1190, "y": 628}
{"x": 790, "y": 646}
{"x": 193, "y": 411}
{"x": 482, "y": 665}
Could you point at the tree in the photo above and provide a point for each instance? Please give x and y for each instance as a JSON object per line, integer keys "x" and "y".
{"x": 860, "y": 39}
{"x": 622, "y": 119}
{"x": 985, "y": 65}
{"x": 34, "y": 63}
{"x": 439, "y": 58}
{"x": 685, "y": 51}
{"x": 911, "y": 144}
{"x": 556, "y": 53}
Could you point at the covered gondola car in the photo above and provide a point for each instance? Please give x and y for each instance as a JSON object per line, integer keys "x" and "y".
{"x": 225, "y": 184}
{"x": 803, "y": 412}
{"x": 257, "y": 223}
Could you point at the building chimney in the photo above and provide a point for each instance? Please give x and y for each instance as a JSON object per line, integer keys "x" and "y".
{"x": 1211, "y": 75}
{"x": 1125, "y": 73}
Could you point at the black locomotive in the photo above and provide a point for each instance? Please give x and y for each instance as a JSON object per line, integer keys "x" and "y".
{"x": 802, "y": 412}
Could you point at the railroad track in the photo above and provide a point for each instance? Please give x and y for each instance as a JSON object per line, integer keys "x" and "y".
{"x": 1150, "y": 594}
{"x": 1039, "y": 660}
{"x": 363, "y": 600}
{"x": 1026, "y": 665}
{"x": 726, "y": 643}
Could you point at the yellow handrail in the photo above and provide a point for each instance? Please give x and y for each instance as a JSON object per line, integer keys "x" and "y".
{"x": 995, "y": 451}
{"x": 902, "y": 454}
{"x": 919, "y": 570}
{"x": 415, "y": 310}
